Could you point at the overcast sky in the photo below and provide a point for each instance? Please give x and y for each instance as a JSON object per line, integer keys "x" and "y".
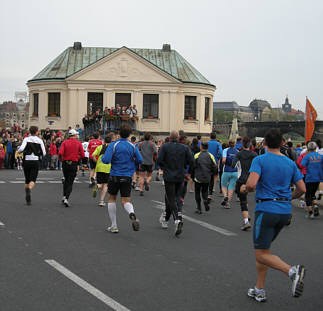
{"x": 248, "y": 48}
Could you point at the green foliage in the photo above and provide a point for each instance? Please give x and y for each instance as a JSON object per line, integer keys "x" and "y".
{"x": 221, "y": 116}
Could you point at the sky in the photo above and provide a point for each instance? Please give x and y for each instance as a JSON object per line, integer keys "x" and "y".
{"x": 264, "y": 49}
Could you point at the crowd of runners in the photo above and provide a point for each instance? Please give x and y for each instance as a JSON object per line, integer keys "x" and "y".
{"x": 121, "y": 163}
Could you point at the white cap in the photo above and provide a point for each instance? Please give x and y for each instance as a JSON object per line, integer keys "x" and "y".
{"x": 72, "y": 132}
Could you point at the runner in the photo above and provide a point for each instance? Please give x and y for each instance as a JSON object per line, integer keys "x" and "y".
{"x": 245, "y": 157}
{"x": 271, "y": 175}
{"x": 85, "y": 160}
{"x": 313, "y": 162}
{"x": 102, "y": 171}
{"x": 32, "y": 148}
{"x": 148, "y": 151}
{"x": 173, "y": 158}
{"x": 93, "y": 144}
{"x": 123, "y": 156}
{"x": 215, "y": 149}
{"x": 204, "y": 170}
{"x": 70, "y": 154}
{"x": 230, "y": 174}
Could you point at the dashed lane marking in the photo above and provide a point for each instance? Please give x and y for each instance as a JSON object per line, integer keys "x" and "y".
{"x": 206, "y": 225}
{"x": 86, "y": 286}
{"x": 1, "y": 224}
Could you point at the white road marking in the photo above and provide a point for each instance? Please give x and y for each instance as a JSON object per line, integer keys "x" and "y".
{"x": 206, "y": 225}
{"x": 88, "y": 287}
{"x": 1, "y": 223}
{"x": 2, "y": 182}
{"x": 55, "y": 181}
{"x": 38, "y": 178}
{"x": 17, "y": 182}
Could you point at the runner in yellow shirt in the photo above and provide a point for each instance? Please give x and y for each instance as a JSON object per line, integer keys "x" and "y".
{"x": 102, "y": 171}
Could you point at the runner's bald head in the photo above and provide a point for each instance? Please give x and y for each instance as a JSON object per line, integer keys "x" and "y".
{"x": 173, "y": 135}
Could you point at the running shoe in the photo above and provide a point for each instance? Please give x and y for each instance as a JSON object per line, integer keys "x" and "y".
{"x": 63, "y": 198}
{"x": 113, "y": 229}
{"x": 224, "y": 202}
{"x": 135, "y": 222}
{"x": 302, "y": 204}
{"x": 95, "y": 190}
{"x": 259, "y": 296}
{"x": 146, "y": 186}
{"x": 28, "y": 196}
{"x": 245, "y": 226}
{"x": 198, "y": 211}
{"x": 309, "y": 215}
{"x": 133, "y": 185}
{"x": 66, "y": 203}
{"x": 101, "y": 203}
{"x": 178, "y": 227}
{"x": 137, "y": 189}
{"x": 227, "y": 205}
{"x": 163, "y": 221}
{"x": 298, "y": 281}
{"x": 141, "y": 193}
{"x": 63, "y": 180}
{"x": 316, "y": 211}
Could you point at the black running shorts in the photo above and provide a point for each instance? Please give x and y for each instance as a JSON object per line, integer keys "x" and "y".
{"x": 146, "y": 168}
{"x": 267, "y": 227}
{"x": 31, "y": 171}
{"x": 120, "y": 183}
{"x": 102, "y": 178}
{"x": 311, "y": 188}
{"x": 92, "y": 164}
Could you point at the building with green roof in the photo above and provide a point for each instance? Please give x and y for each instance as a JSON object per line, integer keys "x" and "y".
{"x": 168, "y": 92}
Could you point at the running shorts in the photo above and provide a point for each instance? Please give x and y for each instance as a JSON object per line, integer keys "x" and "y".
{"x": 102, "y": 178}
{"x": 228, "y": 180}
{"x": 146, "y": 168}
{"x": 92, "y": 164}
{"x": 267, "y": 227}
{"x": 31, "y": 171}
{"x": 85, "y": 161}
{"x": 120, "y": 183}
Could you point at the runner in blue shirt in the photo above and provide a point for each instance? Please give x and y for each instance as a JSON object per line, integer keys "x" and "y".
{"x": 271, "y": 175}
{"x": 215, "y": 148}
{"x": 313, "y": 162}
{"x": 123, "y": 156}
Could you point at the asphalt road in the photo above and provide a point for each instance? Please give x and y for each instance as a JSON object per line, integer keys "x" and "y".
{"x": 56, "y": 258}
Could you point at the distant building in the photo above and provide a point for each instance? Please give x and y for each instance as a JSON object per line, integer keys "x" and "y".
{"x": 259, "y": 110}
{"x": 169, "y": 93}
{"x": 14, "y": 114}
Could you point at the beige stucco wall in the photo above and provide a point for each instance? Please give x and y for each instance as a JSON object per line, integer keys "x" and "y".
{"x": 126, "y": 73}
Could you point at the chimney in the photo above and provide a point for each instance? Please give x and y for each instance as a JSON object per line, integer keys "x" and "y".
{"x": 166, "y": 48}
{"x": 77, "y": 46}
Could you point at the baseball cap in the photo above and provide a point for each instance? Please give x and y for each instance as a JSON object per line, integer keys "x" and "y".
{"x": 72, "y": 132}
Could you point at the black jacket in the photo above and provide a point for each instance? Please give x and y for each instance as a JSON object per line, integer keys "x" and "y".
{"x": 173, "y": 159}
{"x": 204, "y": 167}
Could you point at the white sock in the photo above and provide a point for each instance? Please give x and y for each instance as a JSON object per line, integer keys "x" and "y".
{"x": 128, "y": 207}
{"x": 112, "y": 210}
{"x": 292, "y": 271}
{"x": 246, "y": 220}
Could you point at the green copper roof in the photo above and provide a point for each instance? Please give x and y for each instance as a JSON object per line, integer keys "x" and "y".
{"x": 71, "y": 61}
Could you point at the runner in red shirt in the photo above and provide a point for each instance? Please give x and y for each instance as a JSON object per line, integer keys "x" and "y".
{"x": 70, "y": 154}
{"x": 93, "y": 144}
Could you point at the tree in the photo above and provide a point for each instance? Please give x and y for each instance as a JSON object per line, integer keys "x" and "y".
{"x": 221, "y": 116}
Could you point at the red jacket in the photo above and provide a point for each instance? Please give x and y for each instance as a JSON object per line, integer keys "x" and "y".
{"x": 52, "y": 149}
{"x": 71, "y": 150}
{"x": 299, "y": 160}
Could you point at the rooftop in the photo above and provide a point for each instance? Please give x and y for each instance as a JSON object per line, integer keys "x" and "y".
{"x": 74, "y": 59}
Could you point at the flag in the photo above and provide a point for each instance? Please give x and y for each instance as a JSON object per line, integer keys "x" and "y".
{"x": 311, "y": 116}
